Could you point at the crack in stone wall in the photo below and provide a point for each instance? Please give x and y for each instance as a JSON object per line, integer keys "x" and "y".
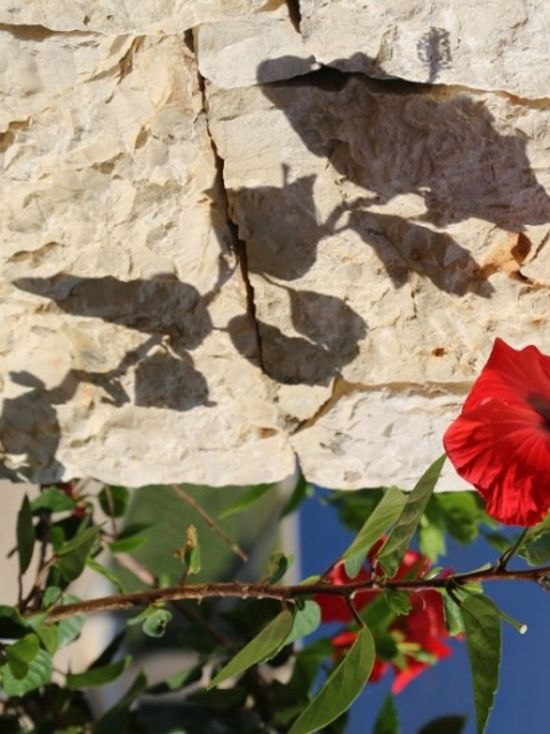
{"x": 300, "y": 247}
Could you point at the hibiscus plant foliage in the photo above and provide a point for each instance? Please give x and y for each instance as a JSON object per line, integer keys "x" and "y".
{"x": 263, "y": 654}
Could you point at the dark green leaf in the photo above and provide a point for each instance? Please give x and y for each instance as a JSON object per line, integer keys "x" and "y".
{"x": 69, "y": 629}
{"x": 106, "y": 573}
{"x": 402, "y": 534}
{"x": 98, "y": 676}
{"x": 74, "y": 553}
{"x": 12, "y": 624}
{"x": 223, "y": 699}
{"x": 535, "y": 548}
{"x": 306, "y": 621}
{"x": 113, "y": 500}
{"x": 177, "y": 681}
{"x": 25, "y": 535}
{"x": 378, "y": 614}
{"x": 482, "y": 625}
{"x": 387, "y": 721}
{"x": 21, "y": 654}
{"x": 49, "y": 637}
{"x": 453, "y": 617}
{"x": 131, "y": 538}
{"x": 278, "y": 564}
{"x": 431, "y": 531}
{"x": 354, "y": 507}
{"x": 247, "y": 499}
{"x": 299, "y": 493}
{"x": 341, "y": 688}
{"x": 53, "y": 499}
{"x": 39, "y": 673}
{"x": 386, "y": 646}
{"x": 462, "y": 515}
{"x": 398, "y": 601}
{"x": 264, "y": 645}
{"x": 155, "y": 624}
{"x": 445, "y": 725}
{"x": 384, "y": 514}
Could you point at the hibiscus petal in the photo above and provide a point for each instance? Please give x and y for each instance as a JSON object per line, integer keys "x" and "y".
{"x": 504, "y": 451}
{"x": 511, "y": 375}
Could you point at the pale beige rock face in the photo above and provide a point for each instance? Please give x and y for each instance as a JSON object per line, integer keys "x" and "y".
{"x": 116, "y": 16}
{"x": 119, "y": 281}
{"x": 407, "y": 218}
{"x": 391, "y": 231}
{"x": 489, "y": 45}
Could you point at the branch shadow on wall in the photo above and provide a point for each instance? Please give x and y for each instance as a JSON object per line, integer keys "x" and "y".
{"x": 388, "y": 138}
{"x": 172, "y": 315}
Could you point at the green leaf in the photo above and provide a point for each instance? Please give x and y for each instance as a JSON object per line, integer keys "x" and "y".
{"x": 155, "y": 624}
{"x": 49, "y": 637}
{"x": 535, "y": 548}
{"x": 387, "y": 721}
{"x": 453, "y": 617}
{"x": 384, "y": 514}
{"x": 398, "y": 601}
{"x": 12, "y": 624}
{"x": 98, "y": 676}
{"x": 482, "y": 625}
{"x": 130, "y": 538}
{"x": 113, "y": 500}
{"x": 277, "y": 565}
{"x": 462, "y": 515}
{"x": 69, "y": 629}
{"x": 266, "y": 643}
{"x": 25, "y": 535}
{"x": 190, "y": 553}
{"x": 444, "y": 725}
{"x": 74, "y": 553}
{"x": 21, "y": 654}
{"x": 341, "y": 688}
{"x": 431, "y": 531}
{"x": 247, "y": 499}
{"x": 102, "y": 570}
{"x": 299, "y": 493}
{"x": 305, "y": 622}
{"x": 53, "y": 499}
{"x": 402, "y": 534}
{"x": 38, "y": 674}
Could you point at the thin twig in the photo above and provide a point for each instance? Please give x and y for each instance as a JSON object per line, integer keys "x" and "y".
{"x": 505, "y": 558}
{"x": 354, "y": 612}
{"x": 283, "y": 594}
{"x": 212, "y": 524}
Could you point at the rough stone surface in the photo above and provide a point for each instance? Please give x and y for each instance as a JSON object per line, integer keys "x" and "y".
{"x": 489, "y": 45}
{"x": 119, "y": 277}
{"x": 218, "y": 256}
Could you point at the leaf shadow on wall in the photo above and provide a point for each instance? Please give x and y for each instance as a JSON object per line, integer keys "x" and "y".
{"x": 389, "y": 138}
{"x": 174, "y": 317}
{"x": 393, "y": 138}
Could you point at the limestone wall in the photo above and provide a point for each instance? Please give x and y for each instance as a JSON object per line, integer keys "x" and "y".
{"x": 235, "y": 232}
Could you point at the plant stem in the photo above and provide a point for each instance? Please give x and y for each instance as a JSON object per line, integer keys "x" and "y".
{"x": 241, "y": 590}
{"x": 212, "y": 524}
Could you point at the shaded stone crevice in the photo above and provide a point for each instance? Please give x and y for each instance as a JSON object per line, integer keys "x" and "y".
{"x": 237, "y": 244}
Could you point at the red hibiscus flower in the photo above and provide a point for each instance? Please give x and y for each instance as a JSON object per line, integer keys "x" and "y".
{"x": 500, "y": 443}
{"x": 421, "y": 630}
